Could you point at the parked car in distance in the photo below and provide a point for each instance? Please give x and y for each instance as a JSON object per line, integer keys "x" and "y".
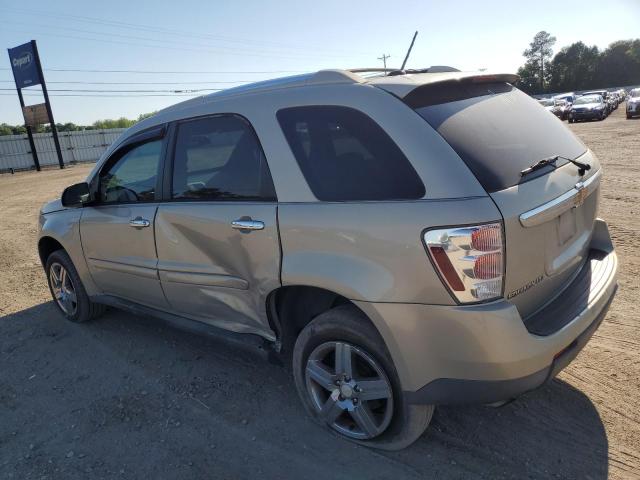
{"x": 401, "y": 249}
{"x": 568, "y": 97}
{"x": 605, "y": 99}
{"x": 552, "y": 105}
{"x": 564, "y": 108}
{"x": 633, "y": 103}
{"x": 588, "y": 107}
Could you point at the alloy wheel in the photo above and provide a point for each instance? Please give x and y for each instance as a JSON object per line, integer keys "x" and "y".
{"x": 63, "y": 289}
{"x": 349, "y": 390}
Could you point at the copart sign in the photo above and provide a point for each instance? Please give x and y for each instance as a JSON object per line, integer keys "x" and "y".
{"x": 23, "y": 64}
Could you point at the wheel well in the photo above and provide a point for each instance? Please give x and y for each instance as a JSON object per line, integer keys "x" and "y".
{"x": 46, "y": 246}
{"x": 291, "y": 308}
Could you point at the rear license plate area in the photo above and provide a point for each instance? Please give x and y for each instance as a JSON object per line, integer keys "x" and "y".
{"x": 566, "y": 226}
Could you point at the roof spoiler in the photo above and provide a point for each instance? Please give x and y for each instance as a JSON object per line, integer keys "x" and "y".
{"x": 402, "y": 85}
{"x": 492, "y": 77}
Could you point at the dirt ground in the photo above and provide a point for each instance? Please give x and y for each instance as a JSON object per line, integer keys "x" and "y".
{"x": 130, "y": 397}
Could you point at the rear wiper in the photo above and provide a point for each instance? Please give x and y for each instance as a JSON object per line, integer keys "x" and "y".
{"x": 539, "y": 164}
{"x": 582, "y": 167}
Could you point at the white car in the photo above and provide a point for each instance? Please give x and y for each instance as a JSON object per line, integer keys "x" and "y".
{"x": 633, "y": 103}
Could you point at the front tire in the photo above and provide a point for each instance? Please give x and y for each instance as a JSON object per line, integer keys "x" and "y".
{"x": 67, "y": 290}
{"x": 347, "y": 381}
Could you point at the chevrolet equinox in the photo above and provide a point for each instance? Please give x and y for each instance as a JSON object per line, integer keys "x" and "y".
{"x": 404, "y": 240}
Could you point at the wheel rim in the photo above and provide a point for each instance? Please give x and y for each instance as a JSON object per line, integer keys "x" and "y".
{"x": 63, "y": 290}
{"x": 349, "y": 390}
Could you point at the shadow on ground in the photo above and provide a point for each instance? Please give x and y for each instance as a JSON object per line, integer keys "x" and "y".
{"x": 130, "y": 397}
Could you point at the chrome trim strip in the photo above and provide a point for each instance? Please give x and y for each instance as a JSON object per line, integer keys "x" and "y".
{"x": 564, "y": 202}
{"x": 138, "y": 270}
{"x": 204, "y": 279}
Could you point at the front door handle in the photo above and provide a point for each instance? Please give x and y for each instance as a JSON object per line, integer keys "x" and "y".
{"x": 247, "y": 224}
{"x": 139, "y": 222}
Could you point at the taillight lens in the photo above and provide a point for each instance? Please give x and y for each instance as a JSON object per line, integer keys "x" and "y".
{"x": 470, "y": 260}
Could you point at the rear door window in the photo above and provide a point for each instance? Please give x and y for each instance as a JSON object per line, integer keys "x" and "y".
{"x": 220, "y": 158}
{"x": 345, "y": 156}
{"x": 495, "y": 128}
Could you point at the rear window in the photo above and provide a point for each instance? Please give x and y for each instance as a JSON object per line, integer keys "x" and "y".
{"x": 345, "y": 156}
{"x": 588, "y": 99}
{"x": 497, "y": 130}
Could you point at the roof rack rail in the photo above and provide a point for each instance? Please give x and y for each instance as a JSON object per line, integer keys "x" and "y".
{"x": 373, "y": 70}
{"x": 396, "y": 71}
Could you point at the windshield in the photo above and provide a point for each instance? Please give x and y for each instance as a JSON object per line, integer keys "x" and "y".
{"x": 546, "y": 103}
{"x": 588, "y": 99}
{"x": 635, "y": 92}
{"x": 496, "y": 129}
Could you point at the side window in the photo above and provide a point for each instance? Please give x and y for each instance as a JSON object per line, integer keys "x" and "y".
{"x": 345, "y": 156}
{"x": 132, "y": 178}
{"x": 219, "y": 158}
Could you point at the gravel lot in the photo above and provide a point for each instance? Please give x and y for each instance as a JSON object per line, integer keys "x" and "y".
{"x": 130, "y": 397}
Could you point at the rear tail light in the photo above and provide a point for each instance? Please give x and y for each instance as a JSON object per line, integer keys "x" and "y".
{"x": 470, "y": 260}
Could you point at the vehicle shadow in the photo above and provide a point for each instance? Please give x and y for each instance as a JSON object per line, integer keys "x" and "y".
{"x": 130, "y": 393}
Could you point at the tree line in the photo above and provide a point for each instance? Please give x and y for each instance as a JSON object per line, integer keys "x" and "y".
{"x": 122, "y": 122}
{"x": 578, "y": 66}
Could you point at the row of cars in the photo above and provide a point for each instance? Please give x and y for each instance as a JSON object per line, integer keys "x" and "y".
{"x": 593, "y": 105}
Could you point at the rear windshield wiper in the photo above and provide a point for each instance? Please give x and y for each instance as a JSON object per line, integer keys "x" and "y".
{"x": 583, "y": 167}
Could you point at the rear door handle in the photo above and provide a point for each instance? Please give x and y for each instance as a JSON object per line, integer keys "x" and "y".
{"x": 139, "y": 222}
{"x": 242, "y": 224}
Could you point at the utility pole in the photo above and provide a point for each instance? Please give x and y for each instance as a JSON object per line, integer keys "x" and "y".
{"x": 384, "y": 61}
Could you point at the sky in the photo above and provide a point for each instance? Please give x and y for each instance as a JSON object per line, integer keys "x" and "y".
{"x": 199, "y": 44}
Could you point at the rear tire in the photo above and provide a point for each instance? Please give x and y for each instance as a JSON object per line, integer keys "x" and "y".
{"x": 67, "y": 290}
{"x": 337, "y": 397}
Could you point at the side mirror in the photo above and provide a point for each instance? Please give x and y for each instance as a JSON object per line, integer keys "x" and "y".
{"x": 76, "y": 195}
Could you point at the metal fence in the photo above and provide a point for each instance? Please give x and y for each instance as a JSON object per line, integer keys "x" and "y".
{"x": 81, "y": 146}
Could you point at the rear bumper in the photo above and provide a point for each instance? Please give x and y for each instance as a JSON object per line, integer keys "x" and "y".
{"x": 486, "y": 353}
{"x": 461, "y": 391}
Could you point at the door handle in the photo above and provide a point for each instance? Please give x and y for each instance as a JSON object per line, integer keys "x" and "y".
{"x": 242, "y": 224}
{"x": 139, "y": 222}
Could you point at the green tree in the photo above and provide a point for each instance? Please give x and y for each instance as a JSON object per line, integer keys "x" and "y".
{"x": 574, "y": 68}
{"x": 620, "y": 64}
{"x": 144, "y": 116}
{"x": 121, "y": 122}
{"x": 538, "y": 54}
{"x": 529, "y": 81}
{"x": 6, "y": 129}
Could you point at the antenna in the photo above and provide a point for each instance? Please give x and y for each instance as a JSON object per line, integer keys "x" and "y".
{"x": 384, "y": 61}
{"x": 409, "y": 51}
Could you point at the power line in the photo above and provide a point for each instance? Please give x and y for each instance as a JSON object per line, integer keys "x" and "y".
{"x": 196, "y": 90}
{"x": 186, "y": 72}
{"x": 163, "y": 47}
{"x": 164, "y": 31}
{"x": 78, "y": 82}
{"x": 105, "y": 96}
{"x": 173, "y": 43}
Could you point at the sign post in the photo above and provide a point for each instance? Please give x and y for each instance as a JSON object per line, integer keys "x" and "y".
{"x": 32, "y": 144}
{"x": 27, "y": 71}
